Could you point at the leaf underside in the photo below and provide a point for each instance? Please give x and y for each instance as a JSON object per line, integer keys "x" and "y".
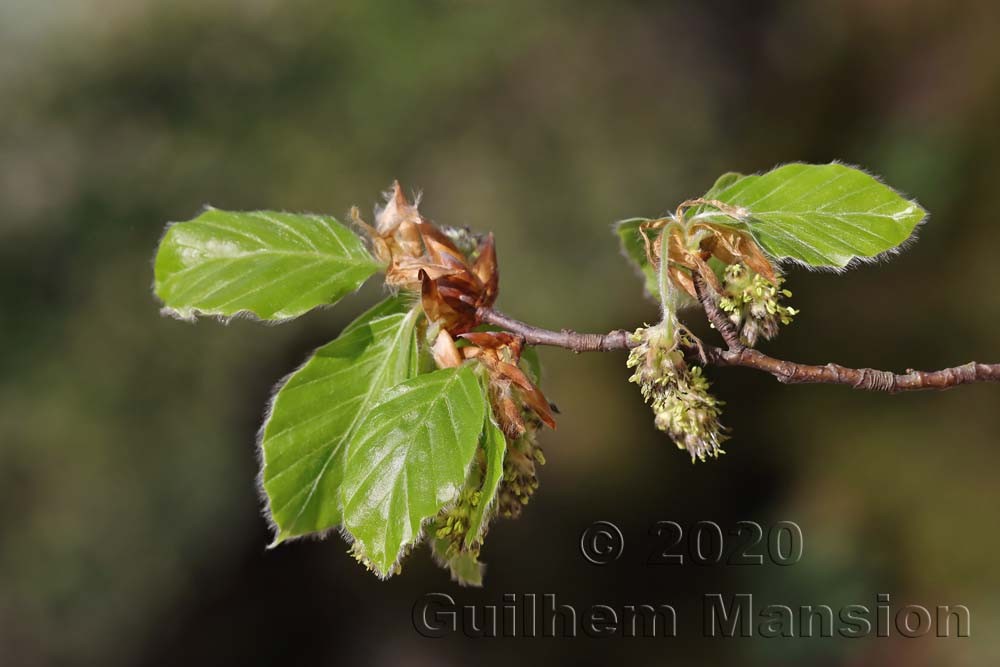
{"x": 269, "y": 264}
{"x": 818, "y": 215}
{"x": 408, "y": 459}
{"x": 320, "y": 407}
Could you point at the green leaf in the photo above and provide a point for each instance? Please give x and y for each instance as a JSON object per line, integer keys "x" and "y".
{"x": 465, "y": 568}
{"x": 408, "y": 459}
{"x": 531, "y": 364}
{"x": 723, "y": 182}
{"x": 319, "y": 408}
{"x": 819, "y": 215}
{"x": 272, "y": 265}
{"x": 634, "y": 249}
{"x": 495, "y": 448}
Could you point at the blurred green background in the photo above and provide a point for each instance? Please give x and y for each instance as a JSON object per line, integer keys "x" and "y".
{"x": 131, "y": 526}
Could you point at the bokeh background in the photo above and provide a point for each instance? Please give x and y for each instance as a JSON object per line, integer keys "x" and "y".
{"x": 131, "y": 528}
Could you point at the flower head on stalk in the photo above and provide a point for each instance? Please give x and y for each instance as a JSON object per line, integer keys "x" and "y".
{"x": 754, "y": 303}
{"x": 678, "y": 393}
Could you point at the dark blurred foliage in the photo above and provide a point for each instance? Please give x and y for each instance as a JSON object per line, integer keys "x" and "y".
{"x": 127, "y": 496}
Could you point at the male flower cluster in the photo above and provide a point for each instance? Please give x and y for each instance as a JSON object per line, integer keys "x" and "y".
{"x": 520, "y": 475}
{"x": 453, "y": 524}
{"x": 677, "y": 393}
{"x": 753, "y": 303}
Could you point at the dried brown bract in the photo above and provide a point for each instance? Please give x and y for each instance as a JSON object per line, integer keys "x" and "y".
{"x": 454, "y": 284}
{"x": 690, "y": 248}
{"x": 511, "y": 391}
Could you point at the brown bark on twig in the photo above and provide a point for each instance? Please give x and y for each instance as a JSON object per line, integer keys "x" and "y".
{"x": 722, "y": 324}
{"x": 571, "y": 340}
{"x": 789, "y": 372}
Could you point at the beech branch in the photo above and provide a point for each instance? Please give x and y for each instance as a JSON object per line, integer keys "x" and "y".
{"x": 789, "y": 372}
{"x": 571, "y": 340}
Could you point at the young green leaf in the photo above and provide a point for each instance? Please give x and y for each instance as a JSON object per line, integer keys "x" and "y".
{"x": 319, "y": 408}
{"x": 464, "y": 566}
{"x": 495, "y": 448}
{"x": 819, "y": 215}
{"x": 723, "y": 182}
{"x": 634, "y": 249}
{"x": 408, "y": 459}
{"x": 272, "y": 265}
